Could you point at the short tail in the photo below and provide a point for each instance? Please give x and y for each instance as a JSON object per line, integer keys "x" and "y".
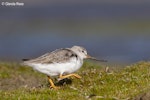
{"x": 25, "y": 59}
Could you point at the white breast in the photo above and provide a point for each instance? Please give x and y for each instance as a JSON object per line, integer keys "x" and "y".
{"x": 58, "y": 68}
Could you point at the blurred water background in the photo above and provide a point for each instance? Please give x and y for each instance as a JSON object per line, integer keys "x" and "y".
{"x": 118, "y": 31}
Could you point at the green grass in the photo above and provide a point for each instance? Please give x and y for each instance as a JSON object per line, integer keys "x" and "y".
{"x": 98, "y": 82}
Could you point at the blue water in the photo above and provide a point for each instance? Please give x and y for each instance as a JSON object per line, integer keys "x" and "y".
{"x": 114, "y": 49}
{"x": 115, "y": 31}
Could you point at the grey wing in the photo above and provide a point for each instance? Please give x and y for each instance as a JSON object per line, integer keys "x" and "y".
{"x": 57, "y": 56}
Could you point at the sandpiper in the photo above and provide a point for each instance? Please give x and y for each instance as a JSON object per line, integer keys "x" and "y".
{"x": 61, "y": 62}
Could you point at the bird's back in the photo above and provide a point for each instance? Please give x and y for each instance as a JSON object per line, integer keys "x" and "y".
{"x": 57, "y": 56}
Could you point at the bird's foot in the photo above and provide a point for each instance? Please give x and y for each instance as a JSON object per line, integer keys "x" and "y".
{"x": 61, "y": 77}
{"x": 77, "y": 76}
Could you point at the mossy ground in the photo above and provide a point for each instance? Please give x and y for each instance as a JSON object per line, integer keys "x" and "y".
{"x": 98, "y": 82}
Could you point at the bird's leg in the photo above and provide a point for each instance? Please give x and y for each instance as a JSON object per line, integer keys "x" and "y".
{"x": 51, "y": 83}
{"x": 66, "y": 76}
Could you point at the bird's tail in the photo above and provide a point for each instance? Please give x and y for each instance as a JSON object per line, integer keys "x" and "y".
{"x": 24, "y": 62}
{"x": 25, "y": 59}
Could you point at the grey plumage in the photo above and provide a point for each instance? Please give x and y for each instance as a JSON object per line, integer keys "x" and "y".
{"x": 60, "y": 62}
{"x": 59, "y": 55}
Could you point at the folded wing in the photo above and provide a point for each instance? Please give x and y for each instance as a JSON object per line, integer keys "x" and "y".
{"x": 57, "y": 56}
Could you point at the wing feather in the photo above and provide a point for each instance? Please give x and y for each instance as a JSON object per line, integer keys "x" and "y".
{"x": 57, "y": 56}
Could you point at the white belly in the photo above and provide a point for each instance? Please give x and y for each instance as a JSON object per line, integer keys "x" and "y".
{"x": 57, "y": 68}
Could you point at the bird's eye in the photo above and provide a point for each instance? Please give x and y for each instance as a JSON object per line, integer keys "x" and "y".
{"x": 82, "y": 51}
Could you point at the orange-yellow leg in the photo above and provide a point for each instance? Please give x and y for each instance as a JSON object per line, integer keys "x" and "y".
{"x": 52, "y": 83}
{"x": 70, "y": 75}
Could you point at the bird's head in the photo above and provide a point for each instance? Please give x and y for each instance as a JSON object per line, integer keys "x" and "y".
{"x": 82, "y": 53}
